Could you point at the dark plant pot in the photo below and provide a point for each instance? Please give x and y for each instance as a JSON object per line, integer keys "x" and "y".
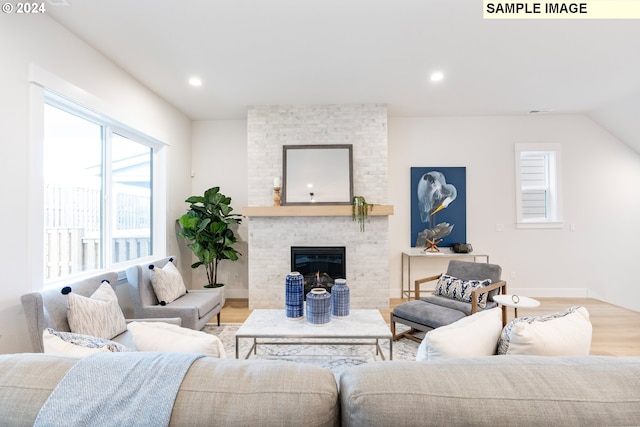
{"x": 461, "y": 248}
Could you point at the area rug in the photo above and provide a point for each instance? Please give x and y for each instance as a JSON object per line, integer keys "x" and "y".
{"x": 334, "y": 357}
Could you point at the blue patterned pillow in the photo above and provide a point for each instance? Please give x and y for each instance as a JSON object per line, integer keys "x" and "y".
{"x": 458, "y": 289}
{"x": 80, "y": 340}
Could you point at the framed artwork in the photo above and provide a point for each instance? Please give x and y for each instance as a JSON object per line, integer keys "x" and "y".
{"x": 438, "y": 205}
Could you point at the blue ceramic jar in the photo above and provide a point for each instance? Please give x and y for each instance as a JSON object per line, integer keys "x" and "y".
{"x": 318, "y": 306}
{"x": 294, "y": 295}
{"x": 340, "y": 299}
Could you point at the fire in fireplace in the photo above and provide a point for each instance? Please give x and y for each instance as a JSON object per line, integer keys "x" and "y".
{"x": 319, "y": 265}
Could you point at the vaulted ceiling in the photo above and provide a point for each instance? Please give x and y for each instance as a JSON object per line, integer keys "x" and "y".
{"x": 257, "y": 52}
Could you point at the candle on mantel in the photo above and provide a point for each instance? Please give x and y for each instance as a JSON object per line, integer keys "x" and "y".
{"x": 276, "y": 182}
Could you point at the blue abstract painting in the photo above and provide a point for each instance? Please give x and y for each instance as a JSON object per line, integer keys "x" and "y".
{"x": 439, "y": 201}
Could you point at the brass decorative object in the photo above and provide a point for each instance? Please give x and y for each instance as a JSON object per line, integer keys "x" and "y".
{"x": 276, "y": 196}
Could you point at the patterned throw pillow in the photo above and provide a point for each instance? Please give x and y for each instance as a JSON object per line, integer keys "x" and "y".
{"x": 99, "y": 315}
{"x": 68, "y": 343}
{"x": 458, "y": 289}
{"x": 566, "y": 333}
{"x": 167, "y": 283}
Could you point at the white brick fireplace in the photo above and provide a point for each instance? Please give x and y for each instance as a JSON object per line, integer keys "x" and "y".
{"x": 271, "y": 237}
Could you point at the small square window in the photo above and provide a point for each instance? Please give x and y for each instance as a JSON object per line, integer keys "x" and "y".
{"x": 538, "y": 190}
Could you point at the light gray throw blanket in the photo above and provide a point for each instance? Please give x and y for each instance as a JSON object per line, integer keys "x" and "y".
{"x": 117, "y": 389}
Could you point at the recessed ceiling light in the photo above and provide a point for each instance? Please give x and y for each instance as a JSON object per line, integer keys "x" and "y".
{"x": 195, "y": 81}
{"x": 436, "y": 76}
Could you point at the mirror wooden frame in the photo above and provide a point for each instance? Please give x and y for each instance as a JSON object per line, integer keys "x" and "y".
{"x": 317, "y": 174}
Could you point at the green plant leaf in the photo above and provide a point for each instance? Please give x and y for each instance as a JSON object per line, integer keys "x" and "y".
{"x": 202, "y": 224}
{"x": 189, "y": 221}
{"x": 195, "y": 199}
{"x": 230, "y": 254}
{"x": 218, "y": 227}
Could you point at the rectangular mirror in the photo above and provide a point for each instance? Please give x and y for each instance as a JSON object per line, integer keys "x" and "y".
{"x": 317, "y": 174}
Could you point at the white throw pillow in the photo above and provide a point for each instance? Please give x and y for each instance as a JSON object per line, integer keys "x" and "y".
{"x": 99, "y": 315}
{"x": 472, "y": 336}
{"x": 167, "y": 283}
{"x": 76, "y": 345}
{"x": 567, "y": 333}
{"x": 165, "y": 337}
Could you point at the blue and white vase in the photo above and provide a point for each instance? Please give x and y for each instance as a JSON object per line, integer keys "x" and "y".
{"x": 318, "y": 306}
{"x": 294, "y": 295}
{"x": 340, "y": 300}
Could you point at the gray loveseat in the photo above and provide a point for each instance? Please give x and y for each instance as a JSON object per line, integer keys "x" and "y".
{"x": 195, "y": 308}
{"x": 490, "y": 391}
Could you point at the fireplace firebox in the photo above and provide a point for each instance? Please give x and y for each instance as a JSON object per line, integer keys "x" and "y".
{"x": 319, "y": 265}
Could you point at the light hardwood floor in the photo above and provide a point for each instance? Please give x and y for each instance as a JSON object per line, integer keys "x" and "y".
{"x": 616, "y": 330}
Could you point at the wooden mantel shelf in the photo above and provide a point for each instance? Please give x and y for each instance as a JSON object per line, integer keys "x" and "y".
{"x": 312, "y": 210}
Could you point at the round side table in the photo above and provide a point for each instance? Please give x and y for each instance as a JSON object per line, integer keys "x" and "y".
{"x": 516, "y": 301}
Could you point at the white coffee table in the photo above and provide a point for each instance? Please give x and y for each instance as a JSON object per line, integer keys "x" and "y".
{"x": 366, "y": 326}
{"x": 516, "y": 301}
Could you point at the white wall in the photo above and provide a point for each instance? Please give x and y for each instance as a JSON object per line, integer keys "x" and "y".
{"x": 38, "y": 40}
{"x": 220, "y": 159}
{"x": 601, "y": 188}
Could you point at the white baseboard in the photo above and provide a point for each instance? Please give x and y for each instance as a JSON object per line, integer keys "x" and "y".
{"x": 236, "y": 293}
{"x": 530, "y": 292}
{"x": 551, "y": 292}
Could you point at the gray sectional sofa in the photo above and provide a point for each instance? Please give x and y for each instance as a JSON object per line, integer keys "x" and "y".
{"x": 489, "y": 391}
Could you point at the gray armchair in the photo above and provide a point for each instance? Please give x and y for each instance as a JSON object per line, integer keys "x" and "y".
{"x": 432, "y": 311}
{"x": 195, "y": 308}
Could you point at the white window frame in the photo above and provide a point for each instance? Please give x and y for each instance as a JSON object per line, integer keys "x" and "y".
{"x": 44, "y": 85}
{"x": 553, "y": 217}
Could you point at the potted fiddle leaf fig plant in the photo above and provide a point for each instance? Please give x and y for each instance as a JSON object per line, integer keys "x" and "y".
{"x": 207, "y": 225}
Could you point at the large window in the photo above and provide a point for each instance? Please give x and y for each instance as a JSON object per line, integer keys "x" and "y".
{"x": 98, "y": 184}
{"x": 538, "y": 198}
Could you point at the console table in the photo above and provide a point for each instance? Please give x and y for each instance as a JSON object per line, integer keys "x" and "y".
{"x": 419, "y": 254}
